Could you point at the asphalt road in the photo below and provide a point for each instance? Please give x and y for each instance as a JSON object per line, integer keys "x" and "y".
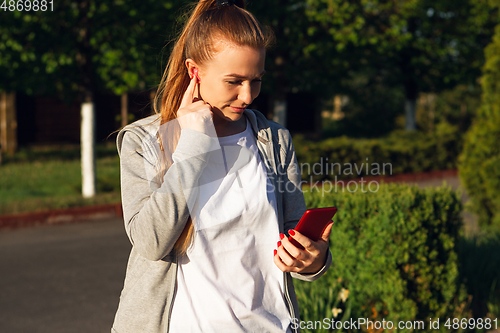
{"x": 62, "y": 278}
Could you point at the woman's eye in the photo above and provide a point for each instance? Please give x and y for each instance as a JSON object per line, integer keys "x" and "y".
{"x": 241, "y": 81}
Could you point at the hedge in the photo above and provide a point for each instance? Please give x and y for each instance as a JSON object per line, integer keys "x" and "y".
{"x": 394, "y": 257}
{"x": 480, "y": 161}
{"x": 400, "y": 152}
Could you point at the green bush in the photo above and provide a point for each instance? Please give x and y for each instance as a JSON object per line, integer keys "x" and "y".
{"x": 480, "y": 270}
{"x": 394, "y": 251}
{"x": 400, "y": 152}
{"x": 480, "y": 161}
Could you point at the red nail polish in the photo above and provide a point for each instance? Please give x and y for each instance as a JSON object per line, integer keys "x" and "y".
{"x": 291, "y": 232}
{"x": 282, "y": 236}
{"x": 279, "y": 244}
{"x": 275, "y": 252}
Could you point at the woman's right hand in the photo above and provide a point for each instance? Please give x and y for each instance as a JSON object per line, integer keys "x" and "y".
{"x": 194, "y": 113}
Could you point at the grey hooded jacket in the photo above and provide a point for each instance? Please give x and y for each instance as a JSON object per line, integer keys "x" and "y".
{"x": 155, "y": 215}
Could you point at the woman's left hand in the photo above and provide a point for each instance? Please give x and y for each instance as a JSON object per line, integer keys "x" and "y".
{"x": 290, "y": 258}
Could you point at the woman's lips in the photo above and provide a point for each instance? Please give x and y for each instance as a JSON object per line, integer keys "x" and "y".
{"x": 235, "y": 109}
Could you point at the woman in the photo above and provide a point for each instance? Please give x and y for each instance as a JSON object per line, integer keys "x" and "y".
{"x": 208, "y": 187}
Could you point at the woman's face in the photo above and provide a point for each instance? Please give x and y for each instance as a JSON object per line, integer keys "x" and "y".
{"x": 231, "y": 80}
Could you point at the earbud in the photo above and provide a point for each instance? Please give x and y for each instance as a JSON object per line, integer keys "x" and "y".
{"x": 195, "y": 71}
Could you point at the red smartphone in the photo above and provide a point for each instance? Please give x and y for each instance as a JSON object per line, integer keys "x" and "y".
{"x": 313, "y": 223}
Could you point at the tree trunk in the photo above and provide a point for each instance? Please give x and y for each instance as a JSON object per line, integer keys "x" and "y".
{"x": 87, "y": 134}
{"x": 280, "y": 109}
{"x": 124, "y": 104}
{"x": 410, "y": 106}
{"x": 411, "y": 92}
{"x": 410, "y": 79}
{"x": 8, "y": 122}
{"x": 279, "y": 102}
{"x": 87, "y": 149}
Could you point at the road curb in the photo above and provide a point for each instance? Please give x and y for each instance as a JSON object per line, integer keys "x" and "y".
{"x": 59, "y": 216}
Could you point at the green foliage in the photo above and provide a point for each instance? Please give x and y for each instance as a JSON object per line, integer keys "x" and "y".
{"x": 436, "y": 37}
{"x": 323, "y": 299}
{"x": 395, "y": 251}
{"x": 322, "y": 47}
{"x": 292, "y": 63}
{"x": 372, "y": 107}
{"x": 400, "y": 152}
{"x": 455, "y": 106}
{"x": 414, "y": 45}
{"x": 109, "y": 46}
{"x": 480, "y": 271}
{"x": 21, "y": 61}
{"x": 480, "y": 161}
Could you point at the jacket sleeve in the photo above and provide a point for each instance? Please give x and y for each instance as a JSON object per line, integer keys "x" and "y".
{"x": 293, "y": 198}
{"x": 155, "y": 214}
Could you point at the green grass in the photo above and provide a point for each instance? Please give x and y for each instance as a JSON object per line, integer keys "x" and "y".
{"x": 50, "y": 178}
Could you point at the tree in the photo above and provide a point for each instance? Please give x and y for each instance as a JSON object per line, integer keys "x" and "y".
{"x": 291, "y": 65}
{"x": 480, "y": 160}
{"x": 84, "y": 47}
{"x": 422, "y": 45}
{"x": 20, "y": 68}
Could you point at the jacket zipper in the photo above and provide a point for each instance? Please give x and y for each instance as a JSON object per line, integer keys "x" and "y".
{"x": 173, "y": 296}
{"x": 285, "y": 282}
{"x": 289, "y": 300}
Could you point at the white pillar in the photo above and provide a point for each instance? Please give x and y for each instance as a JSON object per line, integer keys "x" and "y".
{"x": 87, "y": 147}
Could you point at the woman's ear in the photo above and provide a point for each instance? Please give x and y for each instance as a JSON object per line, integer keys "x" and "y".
{"x": 192, "y": 69}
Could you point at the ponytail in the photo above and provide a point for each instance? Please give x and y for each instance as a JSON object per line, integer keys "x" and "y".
{"x": 207, "y": 24}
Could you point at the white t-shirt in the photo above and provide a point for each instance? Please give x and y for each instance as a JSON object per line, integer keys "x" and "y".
{"x": 227, "y": 281}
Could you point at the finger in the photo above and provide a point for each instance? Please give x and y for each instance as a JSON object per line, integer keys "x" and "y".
{"x": 326, "y": 233}
{"x": 281, "y": 265}
{"x": 197, "y": 79}
{"x": 286, "y": 258}
{"x": 197, "y": 105}
{"x": 292, "y": 249}
{"x": 187, "y": 99}
{"x": 305, "y": 241}
{"x": 185, "y": 110}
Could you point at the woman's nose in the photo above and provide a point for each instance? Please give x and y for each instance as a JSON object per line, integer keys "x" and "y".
{"x": 245, "y": 94}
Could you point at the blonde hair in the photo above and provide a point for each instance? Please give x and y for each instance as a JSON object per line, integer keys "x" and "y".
{"x": 199, "y": 40}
